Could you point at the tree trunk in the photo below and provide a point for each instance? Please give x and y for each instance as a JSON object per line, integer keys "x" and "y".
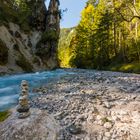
{"x": 114, "y": 30}
{"x": 136, "y": 35}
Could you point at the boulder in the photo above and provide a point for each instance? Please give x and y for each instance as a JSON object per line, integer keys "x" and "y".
{"x": 38, "y": 126}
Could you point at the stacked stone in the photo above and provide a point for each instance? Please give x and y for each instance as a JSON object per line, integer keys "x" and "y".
{"x": 23, "y": 107}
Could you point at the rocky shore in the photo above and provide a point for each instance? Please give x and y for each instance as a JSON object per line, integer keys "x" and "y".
{"x": 93, "y": 105}
{"x": 83, "y": 105}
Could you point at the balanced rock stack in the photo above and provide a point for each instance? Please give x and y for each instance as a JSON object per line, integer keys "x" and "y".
{"x": 23, "y": 107}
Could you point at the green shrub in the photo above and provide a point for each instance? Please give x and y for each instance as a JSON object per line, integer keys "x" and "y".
{"x": 3, "y": 53}
{"x": 36, "y": 60}
{"x": 49, "y": 35}
{"x": 24, "y": 64}
{"x": 4, "y": 115}
{"x": 8, "y": 13}
{"x": 130, "y": 67}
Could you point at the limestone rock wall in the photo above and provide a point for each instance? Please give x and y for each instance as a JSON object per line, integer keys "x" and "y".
{"x": 27, "y": 41}
{"x": 17, "y": 50}
{"x": 50, "y": 37}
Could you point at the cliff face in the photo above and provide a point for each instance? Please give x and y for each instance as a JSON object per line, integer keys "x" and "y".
{"x": 24, "y": 35}
{"x": 46, "y": 48}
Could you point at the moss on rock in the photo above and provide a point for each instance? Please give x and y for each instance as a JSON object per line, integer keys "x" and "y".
{"x": 24, "y": 64}
{"x": 49, "y": 35}
{"x": 4, "y": 115}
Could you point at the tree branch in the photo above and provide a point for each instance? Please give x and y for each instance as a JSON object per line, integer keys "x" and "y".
{"x": 125, "y": 19}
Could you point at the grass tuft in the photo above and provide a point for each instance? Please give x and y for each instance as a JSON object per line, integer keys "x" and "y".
{"x": 130, "y": 67}
{"x": 4, "y": 115}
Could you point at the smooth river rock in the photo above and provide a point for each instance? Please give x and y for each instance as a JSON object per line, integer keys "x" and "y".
{"x": 38, "y": 126}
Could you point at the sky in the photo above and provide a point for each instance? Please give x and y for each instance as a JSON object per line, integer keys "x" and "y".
{"x": 72, "y": 16}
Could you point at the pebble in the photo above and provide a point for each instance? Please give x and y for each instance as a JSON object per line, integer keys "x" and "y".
{"x": 108, "y": 134}
{"x": 86, "y": 112}
{"x": 107, "y": 105}
{"x": 90, "y": 119}
{"x": 74, "y": 129}
{"x": 108, "y": 125}
{"x": 98, "y": 117}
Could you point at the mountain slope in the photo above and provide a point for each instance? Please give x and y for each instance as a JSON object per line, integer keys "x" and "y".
{"x": 64, "y": 48}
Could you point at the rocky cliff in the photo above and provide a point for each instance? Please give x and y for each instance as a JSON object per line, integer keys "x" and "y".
{"x": 29, "y": 34}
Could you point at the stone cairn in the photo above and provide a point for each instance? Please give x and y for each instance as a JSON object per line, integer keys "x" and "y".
{"x": 23, "y": 107}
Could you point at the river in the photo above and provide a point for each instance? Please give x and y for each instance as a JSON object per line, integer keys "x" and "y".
{"x": 10, "y": 85}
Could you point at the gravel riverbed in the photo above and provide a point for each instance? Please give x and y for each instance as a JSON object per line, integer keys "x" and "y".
{"x": 93, "y": 105}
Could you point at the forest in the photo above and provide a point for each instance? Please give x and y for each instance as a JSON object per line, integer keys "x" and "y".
{"x": 107, "y": 37}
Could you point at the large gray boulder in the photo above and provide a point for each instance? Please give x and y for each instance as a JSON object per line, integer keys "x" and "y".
{"x": 38, "y": 126}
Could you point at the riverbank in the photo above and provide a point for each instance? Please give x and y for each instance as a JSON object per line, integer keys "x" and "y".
{"x": 88, "y": 105}
{"x": 10, "y": 85}
{"x": 93, "y": 105}
{"x": 129, "y": 68}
